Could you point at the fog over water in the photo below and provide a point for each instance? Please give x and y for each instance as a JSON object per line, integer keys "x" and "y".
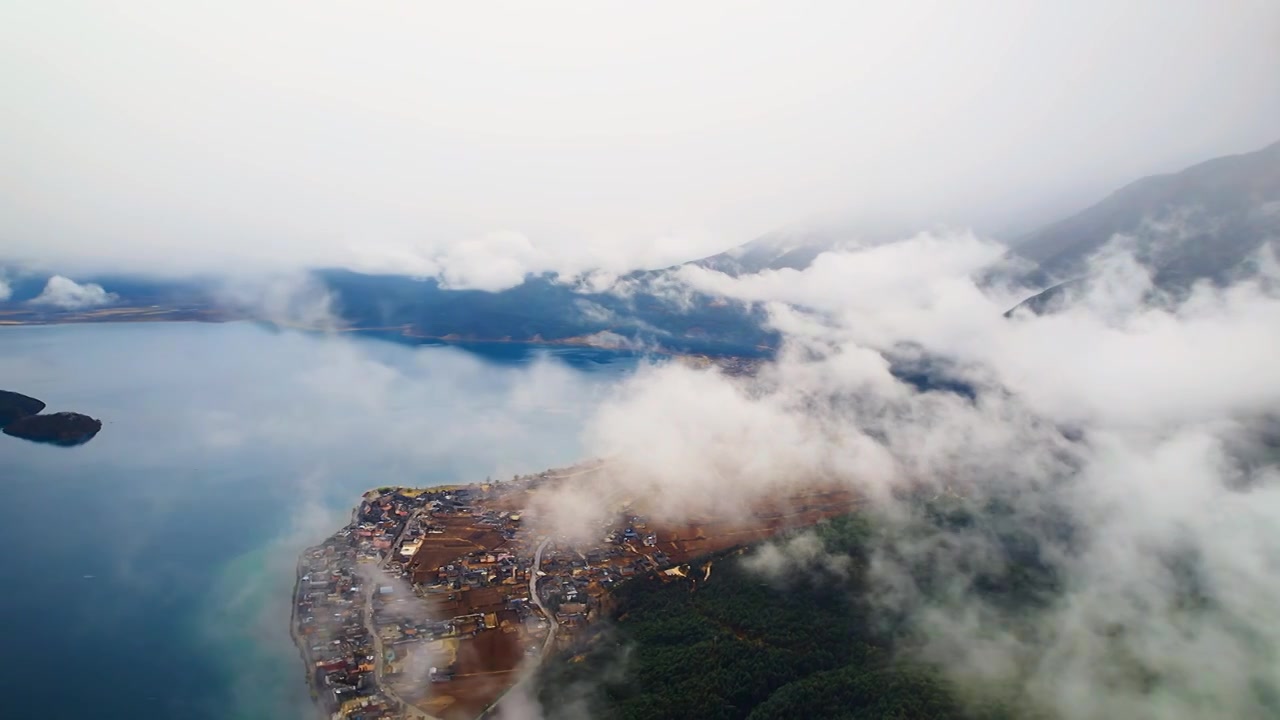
{"x": 148, "y": 572}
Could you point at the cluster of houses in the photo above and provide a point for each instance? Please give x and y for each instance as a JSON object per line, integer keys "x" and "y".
{"x": 331, "y": 633}
{"x": 380, "y": 519}
{"x": 578, "y": 578}
{"x": 480, "y": 569}
{"x": 365, "y": 592}
{"x": 329, "y": 608}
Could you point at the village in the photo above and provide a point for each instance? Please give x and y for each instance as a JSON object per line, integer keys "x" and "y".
{"x": 434, "y": 603}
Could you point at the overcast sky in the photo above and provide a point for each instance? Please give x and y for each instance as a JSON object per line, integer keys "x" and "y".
{"x": 191, "y": 136}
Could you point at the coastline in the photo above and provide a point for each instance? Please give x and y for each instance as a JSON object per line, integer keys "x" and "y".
{"x": 400, "y": 333}
{"x": 308, "y": 676}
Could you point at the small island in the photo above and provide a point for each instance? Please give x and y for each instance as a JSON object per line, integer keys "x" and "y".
{"x": 60, "y": 428}
{"x": 20, "y": 416}
{"x": 14, "y": 406}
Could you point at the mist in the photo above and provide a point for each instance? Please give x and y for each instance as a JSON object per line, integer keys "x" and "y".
{"x": 479, "y": 144}
{"x": 1130, "y": 442}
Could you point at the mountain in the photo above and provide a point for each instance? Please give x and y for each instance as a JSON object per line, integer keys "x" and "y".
{"x": 1204, "y": 222}
{"x": 543, "y": 309}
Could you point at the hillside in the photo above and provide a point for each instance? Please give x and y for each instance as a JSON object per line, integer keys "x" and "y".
{"x": 1204, "y": 222}
{"x": 730, "y": 642}
{"x": 542, "y": 309}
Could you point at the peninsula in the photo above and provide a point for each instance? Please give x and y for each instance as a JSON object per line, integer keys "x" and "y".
{"x": 435, "y": 603}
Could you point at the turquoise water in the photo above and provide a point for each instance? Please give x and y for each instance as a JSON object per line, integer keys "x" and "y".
{"x": 148, "y": 573}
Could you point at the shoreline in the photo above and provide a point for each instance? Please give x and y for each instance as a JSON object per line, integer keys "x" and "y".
{"x": 395, "y": 333}
{"x": 308, "y": 676}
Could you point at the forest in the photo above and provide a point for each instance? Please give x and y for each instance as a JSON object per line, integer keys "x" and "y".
{"x": 731, "y": 642}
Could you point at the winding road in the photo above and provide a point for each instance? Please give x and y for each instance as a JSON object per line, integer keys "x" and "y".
{"x": 533, "y": 595}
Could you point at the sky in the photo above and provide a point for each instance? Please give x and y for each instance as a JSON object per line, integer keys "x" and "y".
{"x": 449, "y": 138}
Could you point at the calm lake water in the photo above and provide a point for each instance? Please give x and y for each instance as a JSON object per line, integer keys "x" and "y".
{"x": 148, "y": 573}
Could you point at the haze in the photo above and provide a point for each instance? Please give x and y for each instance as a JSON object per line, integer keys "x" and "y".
{"x": 420, "y": 137}
{"x": 1128, "y": 433}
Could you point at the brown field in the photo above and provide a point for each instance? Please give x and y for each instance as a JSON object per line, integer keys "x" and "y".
{"x": 459, "y": 538}
{"x": 688, "y": 540}
{"x": 487, "y": 665}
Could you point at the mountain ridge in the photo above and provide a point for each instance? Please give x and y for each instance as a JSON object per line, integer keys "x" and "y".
{"x": 1203, "y": 222}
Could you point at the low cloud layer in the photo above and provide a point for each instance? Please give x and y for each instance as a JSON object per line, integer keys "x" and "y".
{"x": 1132, "y": 439}
{"x": 616, "y": 136}
{"x": 67, "y": 294}
{"x": 294, "y": 300}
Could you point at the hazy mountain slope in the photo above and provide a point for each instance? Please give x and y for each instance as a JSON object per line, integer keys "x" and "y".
{"x": 1202, "y": 222}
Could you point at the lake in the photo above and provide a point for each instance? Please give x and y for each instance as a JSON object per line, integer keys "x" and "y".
{"x": 148, "y": 573}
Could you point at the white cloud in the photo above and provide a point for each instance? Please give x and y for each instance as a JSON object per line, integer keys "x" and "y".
{"x": 1164, "y": 477}
{"x": 801, "y": 554}
{"x": 5, "y": 290}
{"x": 493, "y": 262}
{"x": 67, "y": 294}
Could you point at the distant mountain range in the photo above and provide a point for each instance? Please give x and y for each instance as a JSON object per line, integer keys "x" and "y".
{"x": 643, "y": 311}
{"x": 1205, "y": 222}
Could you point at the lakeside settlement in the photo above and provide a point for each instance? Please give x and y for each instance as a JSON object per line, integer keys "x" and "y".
{"x": 434, "y": 603}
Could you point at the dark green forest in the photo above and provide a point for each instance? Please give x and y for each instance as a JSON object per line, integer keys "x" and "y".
{"x": 738, "y": 645}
